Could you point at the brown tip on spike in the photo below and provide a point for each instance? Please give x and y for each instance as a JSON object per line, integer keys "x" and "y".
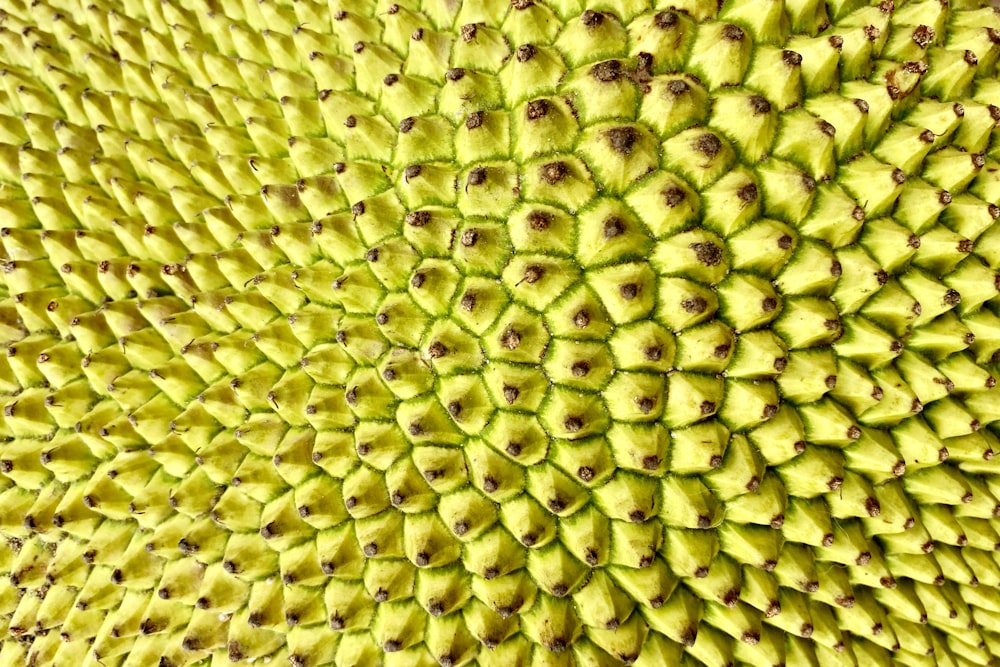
{"x": 475, "y": 119}
{"x": 539, "y": 221}
{"x": 678, "y": 87}
{"x": 708, "y": 145}
{"x": 525, "y": 52}
{"x": 477, "y": 176}
{"x": 510, "y": 339}
{"x": 607, "y": 71}
{"x": 613, "y": 227}
{"x": 747, "y": 193}
{"x": 694, "y": 305}
{"x": 923, "y": 36}
{"x": 592, "y": 19}
{"x": 622, "y": 139}
{"x": 707, "y": 253}
{"x": 673, "y": 196}
{"x": 554, "y": 172}
{"x": 791, "y": 58}
{"x": 732, "y": 33}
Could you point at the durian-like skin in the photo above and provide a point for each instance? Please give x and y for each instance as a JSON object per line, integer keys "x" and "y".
{"x": 499, "y": 332}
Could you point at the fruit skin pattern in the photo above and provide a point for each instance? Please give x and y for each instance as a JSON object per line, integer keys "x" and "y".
{"x": 499, "y": 332}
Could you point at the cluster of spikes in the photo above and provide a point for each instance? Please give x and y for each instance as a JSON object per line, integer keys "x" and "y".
{"x": 499, "y": 332}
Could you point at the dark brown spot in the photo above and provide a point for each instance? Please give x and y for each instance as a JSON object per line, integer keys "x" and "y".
{"x": 455, "y": 74}
{"x": 468, "y": 302}
{"x": 540, "y": 221}
{"x": 732, "y": 33}
{"x": 554, "y": 172}
{"x": 607, "y": 71}
{"x": 418, "y": 218}
{"x": 533, "y": 274}
{"x": 791, "y": 59}
{"x": 469, "y": 238}
{"x": 707, "y": 253}
{"x": 510, "y": 339}
{"x": 613, "y": 227}
{"x": 475, "y": 119}
{"x": 585, "y": 473}
{"x": 759, "y": 105}
{"x": 694, "y": 305}
{"x": 622, "y": 139}
{"x": 678, "y": 87}
{"x": 537, "y": 109}
{"x": 747, "y": 193}
{"x": 477, "y": 176}
{"x": 873, "y": 507}
{"x": 708, "y": 144}
{"x": 525, "y": 52}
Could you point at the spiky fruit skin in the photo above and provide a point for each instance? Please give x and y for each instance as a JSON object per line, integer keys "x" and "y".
{"x": 518, "y": 332}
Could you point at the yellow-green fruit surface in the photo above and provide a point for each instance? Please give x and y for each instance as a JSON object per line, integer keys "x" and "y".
{"x": 499, "y": 332}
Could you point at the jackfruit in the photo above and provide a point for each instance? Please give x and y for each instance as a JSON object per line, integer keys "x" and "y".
{"x": 499, "y": 332}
